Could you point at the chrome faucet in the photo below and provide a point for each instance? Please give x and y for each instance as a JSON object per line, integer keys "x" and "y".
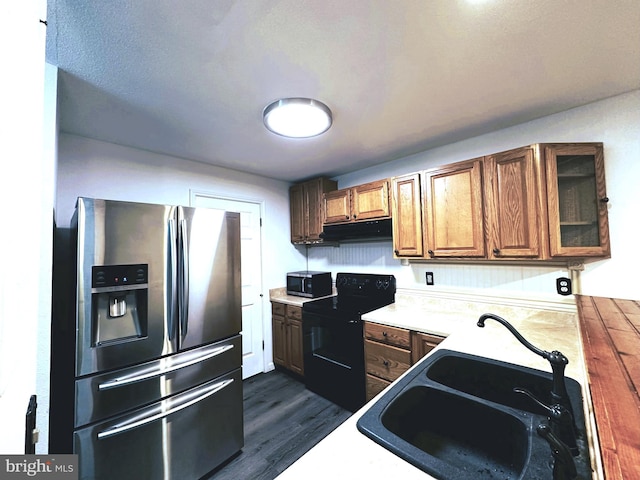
{"x": 557, "y": 360}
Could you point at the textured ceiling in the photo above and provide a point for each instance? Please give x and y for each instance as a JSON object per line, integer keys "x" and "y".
{"x": 190, "y": 78}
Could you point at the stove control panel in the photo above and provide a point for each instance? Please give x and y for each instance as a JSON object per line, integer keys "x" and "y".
{"x": 365, "y": 283}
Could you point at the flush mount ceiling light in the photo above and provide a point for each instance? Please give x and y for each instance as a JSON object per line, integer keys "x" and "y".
{"x": 297, "y": 117}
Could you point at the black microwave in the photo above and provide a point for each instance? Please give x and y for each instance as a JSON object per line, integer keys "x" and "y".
{"x": 309, "y": 284}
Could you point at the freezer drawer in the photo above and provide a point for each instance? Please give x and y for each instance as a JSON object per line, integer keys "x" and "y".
{"x": 182, "y": 437}
{"x": 108, "y": 394}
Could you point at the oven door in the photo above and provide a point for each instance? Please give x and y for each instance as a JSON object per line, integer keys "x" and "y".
{"x": 334, "y": 359}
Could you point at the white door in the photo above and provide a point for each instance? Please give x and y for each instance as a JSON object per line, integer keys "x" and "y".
{"x": 251, "y": 260}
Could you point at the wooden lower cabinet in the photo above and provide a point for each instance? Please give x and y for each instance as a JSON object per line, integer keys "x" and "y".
{"x": 389, "y": 352}
{"x": 386, "y": 361}
{"x": 287, "y": 337}
{"x": 375, "y": 385}
{"x": 421, "y": 344}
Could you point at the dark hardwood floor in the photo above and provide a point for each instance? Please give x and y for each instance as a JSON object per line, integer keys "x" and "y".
{"x": 282, "y": 421}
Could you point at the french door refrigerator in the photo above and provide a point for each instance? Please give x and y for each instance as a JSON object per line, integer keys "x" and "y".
{"x": 146, "y": 362}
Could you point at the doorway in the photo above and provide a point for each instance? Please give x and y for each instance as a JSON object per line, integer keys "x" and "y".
{"x": 251, "y": 267}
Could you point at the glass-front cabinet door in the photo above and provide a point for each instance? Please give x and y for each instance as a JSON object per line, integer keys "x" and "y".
{"x": 577, "y": 200}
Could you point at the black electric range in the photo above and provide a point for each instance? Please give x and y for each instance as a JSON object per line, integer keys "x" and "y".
{"x": 333, "y": 336}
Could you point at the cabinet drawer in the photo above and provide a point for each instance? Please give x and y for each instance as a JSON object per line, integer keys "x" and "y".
{"x": 375, "y": 385}
{"x": 386, "y": 361}
{"x": 277, "y": 308}
{"x": 399, "y": 337}
{"x": 294, "y": 312}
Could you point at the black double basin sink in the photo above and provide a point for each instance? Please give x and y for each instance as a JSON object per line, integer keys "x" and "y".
{"x": 456, "y": 416}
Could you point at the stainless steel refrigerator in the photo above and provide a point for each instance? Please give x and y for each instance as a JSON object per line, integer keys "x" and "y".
{"x": 154, "y": 327}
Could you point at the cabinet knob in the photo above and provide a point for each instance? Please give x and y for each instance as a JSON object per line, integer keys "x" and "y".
{"x": 347, "y": 217}
{"x": 385, "y": 363}
{"x": 604, "y": 200}
{"x": 496, "y": 251}
{"x": 384, "y": 334}
{"x": 397, "y": 252}
{"x": 354, "y": 216}
{"x": 430, "y": 252}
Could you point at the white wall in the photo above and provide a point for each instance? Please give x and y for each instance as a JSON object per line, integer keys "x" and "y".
{"x": 614, "y": 121}
{"x": 103, "y": 170}
{"x": 26, "y": 191}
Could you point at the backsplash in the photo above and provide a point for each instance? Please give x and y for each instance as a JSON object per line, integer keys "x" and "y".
{"x": 377, "y": 257}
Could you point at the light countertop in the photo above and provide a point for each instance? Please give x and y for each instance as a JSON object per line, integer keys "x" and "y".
{"x": 280, "y": 295}
{"x": 347, "y": 453}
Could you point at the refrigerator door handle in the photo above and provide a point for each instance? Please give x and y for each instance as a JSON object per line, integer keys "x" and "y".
{"x": 172, "y": 290}
{"x": 157, "y": 412}
{"x": 165, "y": 367}
{"x": 184, "y": 289}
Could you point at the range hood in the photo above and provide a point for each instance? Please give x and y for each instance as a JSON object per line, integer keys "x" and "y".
{"x": 367, "y": 230}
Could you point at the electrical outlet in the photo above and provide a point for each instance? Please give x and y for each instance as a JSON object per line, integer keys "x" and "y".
{"x": 563, "y": 286}
{"x": 429, "y": 276}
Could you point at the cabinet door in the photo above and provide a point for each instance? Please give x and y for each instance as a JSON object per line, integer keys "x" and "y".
{"x": 279, "y": 340}
{"x": 337, "y": 206}
{"x": 370, "y": 201}
{"x": 406, "y": 210}
{"x": 511, "y": 204}
{"x": 296, "y": 356}
{"x": 297, "y": 207}
{"x": 577, "y": 200}
{"x": 422, "y": 343}
{"x": 453, "y": 203}
{"x": 315, "y": 216}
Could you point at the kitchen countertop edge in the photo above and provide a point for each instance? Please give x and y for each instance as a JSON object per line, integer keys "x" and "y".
{"x": 353, "y": 454}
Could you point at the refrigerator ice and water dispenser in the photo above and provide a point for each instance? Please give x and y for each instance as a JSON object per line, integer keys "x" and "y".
{"x": 118, "y": 303}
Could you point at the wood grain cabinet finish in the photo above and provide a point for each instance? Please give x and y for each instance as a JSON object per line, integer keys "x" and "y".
{"x": 538, "y": 202}
{"x": 406, "y": 210}
{"x": 389, "y": 352}
{"x": 307, "y": 209}
{"x": 337, "y": 206}
{"x": 577, "y": 200}
{"x": 363, "y": 202}
{"x": 453, "y": 205}
{"x": 514, "y": 221}
{"x": 423, "y": 343}
{"x": 287, "y": 337}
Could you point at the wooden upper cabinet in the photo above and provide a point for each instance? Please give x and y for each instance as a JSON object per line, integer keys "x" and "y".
{"x": 406, "y": 210}
{"x": 307, "y": 209}
{"x": 337, "y": 206}
{"x": 363, "y": 202}
{"x": 315, "y": 189}
{"x": 577, "y": 200}
{"x": 512, "y": 209}
{"x": 297, "y": 208}
{"x": 370, "y": 201}
{"x": 453, "y": 205}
